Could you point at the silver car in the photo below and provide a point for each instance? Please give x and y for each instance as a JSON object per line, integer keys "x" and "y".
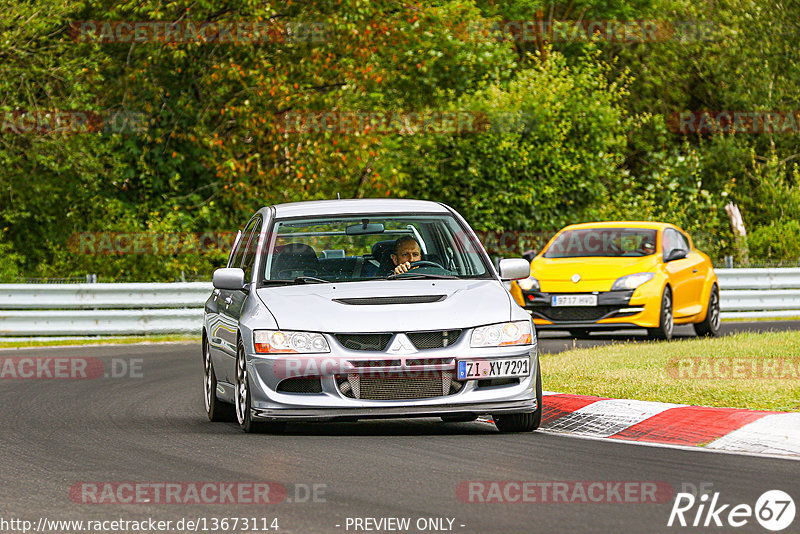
{"x": 356, "y": 309}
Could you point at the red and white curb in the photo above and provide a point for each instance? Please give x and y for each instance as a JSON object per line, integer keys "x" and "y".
{"x": 722, "y": 429}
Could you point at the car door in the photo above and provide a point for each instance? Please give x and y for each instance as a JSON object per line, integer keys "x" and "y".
{"x": 698, "y": 271}
{"x": 214, "y": 325}
{"x": 232, "y": 301}
{"x": 679, "y": 272}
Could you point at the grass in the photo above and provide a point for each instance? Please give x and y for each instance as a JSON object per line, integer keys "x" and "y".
{"x": 116, "y": 340}
{"x": 692, "y": 371}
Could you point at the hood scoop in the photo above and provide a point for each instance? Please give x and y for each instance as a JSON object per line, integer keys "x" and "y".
{"x": 402, "y": 299}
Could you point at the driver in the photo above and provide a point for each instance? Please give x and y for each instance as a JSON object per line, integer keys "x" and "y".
{"x": 406, "y": 250}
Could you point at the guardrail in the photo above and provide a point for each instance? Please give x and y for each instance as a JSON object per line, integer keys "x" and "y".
{"x": 111, "y": 309}
{"x": 754, "y": 293}
{"x": 102, "y": 309}
{"x": 103, "y": 296}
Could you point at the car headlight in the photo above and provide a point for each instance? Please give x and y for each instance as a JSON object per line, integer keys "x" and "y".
{"x": 632, "y": 281}
{"x": 501, "y": 334}
{"x": 285, "y": 341}
{"x": 528, "y": 284}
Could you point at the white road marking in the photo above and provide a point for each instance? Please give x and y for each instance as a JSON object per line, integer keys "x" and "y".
{"x": 772, "y": 434}
{"x": 605, "y": 418}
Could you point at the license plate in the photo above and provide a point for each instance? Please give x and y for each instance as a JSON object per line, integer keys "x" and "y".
{"x": 505, "y": 368}
{"x": 574, "y": 300}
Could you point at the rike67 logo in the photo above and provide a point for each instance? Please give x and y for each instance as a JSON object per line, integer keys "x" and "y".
{"x": 774, "y": 510}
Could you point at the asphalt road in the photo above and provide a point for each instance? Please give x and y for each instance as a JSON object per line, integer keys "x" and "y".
{"x": 149, "y": 426}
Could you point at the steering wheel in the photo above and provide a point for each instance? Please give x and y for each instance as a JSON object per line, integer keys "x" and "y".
{"x": 425, "y": 263}
{"x": 416, "y": 264}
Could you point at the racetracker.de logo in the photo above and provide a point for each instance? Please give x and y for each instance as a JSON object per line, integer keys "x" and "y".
{"x": 155, "y": 243}
{"x": 61, "y": 121}
{"x": 202, "y": 32}
{"x": 733, "y": 368}
{"x": 203, "y": 492}
{"x": 317, "y": 366}
{"x": 68, "y": 367}
{"x": 382, "y": 122}
{"x": 734, "y": 122}
{"x": 564, "y": 491}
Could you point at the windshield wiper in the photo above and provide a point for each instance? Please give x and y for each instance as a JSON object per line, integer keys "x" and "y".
{"x": 307, "y": 279}
{"x": 407, "y": 275}
{"x": 298, "y": 280}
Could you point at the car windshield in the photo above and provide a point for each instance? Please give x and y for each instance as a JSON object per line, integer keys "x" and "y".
{"x": 603, "y": 242}
{"x": 368, "y": 247}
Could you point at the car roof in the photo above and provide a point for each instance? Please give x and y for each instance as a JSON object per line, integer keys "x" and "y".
{"x": 358, "y": 206}
{"x": 648, "y": 225}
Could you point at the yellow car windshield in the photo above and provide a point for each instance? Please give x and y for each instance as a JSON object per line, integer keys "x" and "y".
{"x": 603, "y": 242}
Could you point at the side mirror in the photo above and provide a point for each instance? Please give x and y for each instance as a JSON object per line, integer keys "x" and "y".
{"x": 514, "y": 269}
{"x": 676, "y": 254}
{"x": 232, "y": 278}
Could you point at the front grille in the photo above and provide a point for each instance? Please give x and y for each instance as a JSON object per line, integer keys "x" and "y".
{"x": 430, "y": 361}
{"x": 300, "y": 385}
{"x": 374, "y": 342}
{"x": 376, "y": 301}
{"x": 435, "y": 339}
{"x": 576, "y": 313}
{"x": 375, "y": 363}
{"x": 396, "y": 387}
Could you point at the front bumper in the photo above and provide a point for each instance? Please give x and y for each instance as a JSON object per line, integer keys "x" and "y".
{"x": 317, "y": 414}
{"x": 614, "y": 310}
{"x": 332, "y": 401}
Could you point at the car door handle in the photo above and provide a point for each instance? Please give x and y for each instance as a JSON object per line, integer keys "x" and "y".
{"x": 694, "y": 271}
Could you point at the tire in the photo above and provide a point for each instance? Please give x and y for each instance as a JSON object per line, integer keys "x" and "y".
{"x": 523, "y": 422}
{"x": 459, "y": 418}
{"x": 666, "y": 319}
{"x": 710, "y": 325}
{"x": 579, "y": 332}
{"x": 243, "y": 403}
{"x": 217, "y": 410}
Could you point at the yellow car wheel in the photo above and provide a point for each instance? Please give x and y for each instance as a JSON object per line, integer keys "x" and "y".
{"x": 666, "y": 320}
{"x": 710, "y": 325}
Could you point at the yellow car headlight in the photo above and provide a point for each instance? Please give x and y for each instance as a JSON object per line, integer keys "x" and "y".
{"x": 528, "y": 284}
{"x": 632, "y": 281}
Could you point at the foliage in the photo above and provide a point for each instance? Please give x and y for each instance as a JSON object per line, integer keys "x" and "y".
{"x": 551, "y": 154}
{"x": 581, "y": 130}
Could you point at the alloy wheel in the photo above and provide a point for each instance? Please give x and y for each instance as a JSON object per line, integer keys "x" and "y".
{"x": 207, "y": 376}
{"x": 241, "y": 388}
{"x": 714, "y": 311}
{"x": 667, "y": 319}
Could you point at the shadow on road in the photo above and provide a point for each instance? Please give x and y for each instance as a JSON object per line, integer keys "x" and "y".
{"x": 381, "y": 427}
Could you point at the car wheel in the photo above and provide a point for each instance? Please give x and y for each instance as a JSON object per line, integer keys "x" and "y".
{"x": 710, "y": 325}
{"x": 243, "y": 414}
{"x": 523, "y": 422}
{"x": 459, "y": 418}
{"x": 579, "y": 332}
{"x": 666, "y": 321}
{"x": 217, "y": 410}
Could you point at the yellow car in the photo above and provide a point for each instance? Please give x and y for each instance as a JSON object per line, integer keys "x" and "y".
{"x": 618, "y": 275}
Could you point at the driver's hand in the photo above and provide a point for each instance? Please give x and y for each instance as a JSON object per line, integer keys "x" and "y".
{"x": 402, "y": 268}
